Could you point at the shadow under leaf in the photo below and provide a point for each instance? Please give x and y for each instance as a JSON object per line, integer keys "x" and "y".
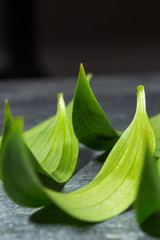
{"x": 103, "y": 156}
{"x": 85, "y": 156}
{"x": 152, "y": 225}
{"x": 53, "y": 215}
{"x": 50, "y": 183}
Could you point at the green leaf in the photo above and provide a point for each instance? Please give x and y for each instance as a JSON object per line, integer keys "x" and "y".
{"x": 8, "y": 121}
{"x": 112, "y": 190}
{"x": 148, "y": 199}
{"x": 55, "y": 145}
{"x": 37, "y": 137}
{"x": 91, "y": 125}
{"x": 22, "y": 184}
{"x": 155, "y": 121}
{"x": 34, "y": 133}
{"x": 40, "y": 139}
{"x": 59, "y": 153}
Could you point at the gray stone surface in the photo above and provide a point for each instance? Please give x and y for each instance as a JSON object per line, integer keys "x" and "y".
{"x": 36, "y": 100}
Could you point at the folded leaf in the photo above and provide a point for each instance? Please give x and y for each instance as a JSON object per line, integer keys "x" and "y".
{"x": 91, "y": 125}
{"x": 112, "y": 190}
{"x": 148, "y": 200}
{"x": 56, "y": 147}
{"x": 37, "y": 137}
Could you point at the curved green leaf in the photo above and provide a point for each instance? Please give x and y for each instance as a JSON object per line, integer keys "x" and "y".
{"x": 31, "y": 135}
{"x": 23, "y": 189}
{"x": 39, "y": 138}
{"x": 112, "y": 190}
{"x": 91, "y": 125}
{"x": 36, "y": 136}
{"x": 56, "y": 147}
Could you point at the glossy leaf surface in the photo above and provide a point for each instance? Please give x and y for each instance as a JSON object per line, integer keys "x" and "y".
{"x": 112, "y": 190}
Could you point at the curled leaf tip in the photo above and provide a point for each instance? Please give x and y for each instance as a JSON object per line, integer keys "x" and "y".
{"x": 140, "y": 90}
{"x": 141, "y": 102}
{"x": 60, "y": 95}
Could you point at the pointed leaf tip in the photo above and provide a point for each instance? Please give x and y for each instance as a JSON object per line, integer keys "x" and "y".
{"x": 61, "y": 103}
{"x": 81, "y": 70}
{"x": 6, "y": 101}
{"x": 6, "y": 106}
{"x": 141, "y": 101}
{"x": 81, "y": 66}
{"x": 91, "y": 126}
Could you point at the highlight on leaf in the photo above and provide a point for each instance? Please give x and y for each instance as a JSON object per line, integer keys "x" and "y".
{"x": 111, "y": 192}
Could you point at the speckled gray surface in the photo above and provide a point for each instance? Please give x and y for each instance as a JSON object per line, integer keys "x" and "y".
{"x": 36, "y": 100}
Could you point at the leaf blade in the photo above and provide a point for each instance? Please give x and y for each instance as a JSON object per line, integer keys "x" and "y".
{"x": 52, "y": 147}
{"x": 115, "y": 187}
{"x": 90, "y": 124}
{"x": 22, "y": 185}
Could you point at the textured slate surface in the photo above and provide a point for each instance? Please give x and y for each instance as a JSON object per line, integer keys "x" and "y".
{"x": 36, "y": 100}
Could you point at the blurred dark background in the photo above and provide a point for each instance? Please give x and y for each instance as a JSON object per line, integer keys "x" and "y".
{"x": 51, "y": 38}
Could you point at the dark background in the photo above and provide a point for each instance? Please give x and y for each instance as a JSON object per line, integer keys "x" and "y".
{"x": 51, "y": 38}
